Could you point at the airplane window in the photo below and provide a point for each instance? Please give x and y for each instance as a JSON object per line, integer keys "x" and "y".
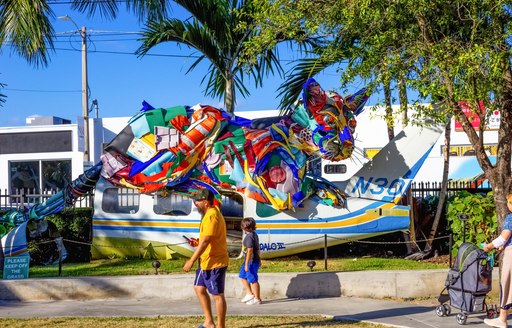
{"x": 232, "y": 206}
{"x": 173, "y": 204}
{"x": 120, "y": 200}
{"x": 335, "y": 168}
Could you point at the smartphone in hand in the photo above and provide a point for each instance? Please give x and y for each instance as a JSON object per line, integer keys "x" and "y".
{"x": 191, "y": 241}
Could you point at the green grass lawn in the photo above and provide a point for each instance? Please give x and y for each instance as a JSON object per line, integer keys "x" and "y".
{"x": 177, "y": 322}
{"x": 126, "y": 267}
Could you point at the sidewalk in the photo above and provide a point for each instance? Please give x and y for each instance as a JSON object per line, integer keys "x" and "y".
{"x": 391, "y": 313}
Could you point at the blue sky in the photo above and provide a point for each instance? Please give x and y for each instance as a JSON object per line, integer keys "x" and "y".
{"x": 119, "y": 80}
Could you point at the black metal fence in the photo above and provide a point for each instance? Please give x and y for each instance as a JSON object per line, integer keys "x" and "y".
{"x": 26, "y": 197}
{"x": 422, "y": 189}
{"x": 20, "y": 198}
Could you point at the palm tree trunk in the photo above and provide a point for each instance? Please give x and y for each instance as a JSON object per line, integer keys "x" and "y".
{"x": 229, "y": 97}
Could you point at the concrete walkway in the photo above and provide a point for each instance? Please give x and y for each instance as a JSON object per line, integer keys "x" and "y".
{"x": 394, "y": 314}
{"x": 360, "y": 296}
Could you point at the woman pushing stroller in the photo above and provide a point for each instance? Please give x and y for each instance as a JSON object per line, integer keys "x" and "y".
{"x": 503, "y": 242}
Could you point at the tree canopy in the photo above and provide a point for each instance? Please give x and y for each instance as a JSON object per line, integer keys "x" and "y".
{"x": 451, "y": 52}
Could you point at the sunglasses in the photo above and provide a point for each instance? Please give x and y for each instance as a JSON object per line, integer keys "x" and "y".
{"x": 314, "y": 84}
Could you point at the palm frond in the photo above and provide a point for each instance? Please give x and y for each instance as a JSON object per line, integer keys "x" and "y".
{"x": 2, "y": 96}
{"x": 211, "y": 13}
{"x": 306, "y": 68}
{"x": 214, "y": 30}
{"x": 26, "y": 26}
{"x": 144, "y": 9}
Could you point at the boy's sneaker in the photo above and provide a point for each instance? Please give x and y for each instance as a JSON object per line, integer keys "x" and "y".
{"x": 253, "y": 301}
{"x": 247, "y": 298}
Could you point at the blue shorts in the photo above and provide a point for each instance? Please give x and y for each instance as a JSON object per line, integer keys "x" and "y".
{"x": 252, "y": 275}
{"x": 213, "y": 280}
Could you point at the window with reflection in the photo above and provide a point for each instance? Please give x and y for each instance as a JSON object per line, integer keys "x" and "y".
{"x": 232, "y": 206}
{"x": 120, "y": 200}
{"x": 335, "y": 169}
{"x": 25, "y": 175}
{"x": 172, "y": 204}
{"x": 39, "y": 175}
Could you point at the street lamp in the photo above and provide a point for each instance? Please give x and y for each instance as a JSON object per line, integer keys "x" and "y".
{"x": 85, "y": 89}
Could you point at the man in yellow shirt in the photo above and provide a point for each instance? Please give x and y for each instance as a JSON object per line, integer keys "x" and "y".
{"x": 212, "y": 250}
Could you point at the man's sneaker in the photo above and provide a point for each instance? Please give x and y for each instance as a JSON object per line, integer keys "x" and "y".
{"x": 253, "y": 301}
{"x": 247, "y": 298}
{"x": 496, "y": 322}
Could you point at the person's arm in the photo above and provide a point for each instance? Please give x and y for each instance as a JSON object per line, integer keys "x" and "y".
{"x": 204, "y": 241}
{"x": 498, "y": 242}
{"x": 248, "y": 257}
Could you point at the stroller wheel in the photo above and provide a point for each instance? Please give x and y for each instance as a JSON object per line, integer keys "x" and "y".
{"x": 447, "y": 309}
{"x": 461, "y": 318}
{"x": 440, "y": 311}
{"x": 491, "y": 313}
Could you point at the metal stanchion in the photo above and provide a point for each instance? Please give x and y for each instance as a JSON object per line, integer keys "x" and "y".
{"x": 325, "y": 252}
{"x": 450, "y": 245}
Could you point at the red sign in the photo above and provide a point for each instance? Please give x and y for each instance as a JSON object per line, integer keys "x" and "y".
{"x": 492, "y": 123}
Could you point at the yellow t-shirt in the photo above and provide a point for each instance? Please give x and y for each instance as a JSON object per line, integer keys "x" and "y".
{"x": 216, "y": 253}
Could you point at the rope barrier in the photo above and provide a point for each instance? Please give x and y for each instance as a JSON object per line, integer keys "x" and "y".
{"x": 388, "y": 242}
{"x": 293, "y": 243}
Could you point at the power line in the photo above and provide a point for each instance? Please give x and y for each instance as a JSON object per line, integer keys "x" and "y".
{"x": 106, "y": 40}
{"x": 43, "y": 91}
{"x": 95, "y": 33}
{"x": 130, "y": 53}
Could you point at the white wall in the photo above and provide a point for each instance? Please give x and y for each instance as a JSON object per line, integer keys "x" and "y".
{"x": 75, "y": 156}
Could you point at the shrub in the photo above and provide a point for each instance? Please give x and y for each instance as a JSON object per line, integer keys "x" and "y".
{"x": 482, "y": 224}
{"x": 75, "y": 226}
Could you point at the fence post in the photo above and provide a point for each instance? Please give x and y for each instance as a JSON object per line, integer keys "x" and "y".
{"x": 450, "y": 244}
{"x": 325, "y": 252}
{"x": 59, "y": 248}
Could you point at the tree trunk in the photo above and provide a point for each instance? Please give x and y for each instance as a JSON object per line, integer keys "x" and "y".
{"x": 389, "y": 110}
{"x": 229, "y": 97}
{"x": 402, "y": 95}
{"x": 501, "y": 175}
{"x": 444, "y": 185}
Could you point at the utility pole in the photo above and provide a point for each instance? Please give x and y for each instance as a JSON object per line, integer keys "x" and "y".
{"x": 85, "y": 87}
{"x": 85, "y": 95}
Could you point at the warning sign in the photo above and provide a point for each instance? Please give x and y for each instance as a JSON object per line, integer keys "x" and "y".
{"x": 16, "y": 267}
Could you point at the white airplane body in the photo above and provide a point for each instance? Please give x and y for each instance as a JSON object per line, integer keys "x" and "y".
{"x": 141, "y": 223}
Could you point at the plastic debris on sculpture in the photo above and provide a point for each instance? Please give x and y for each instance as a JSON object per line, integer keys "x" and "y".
{"x": 189, "y": 148}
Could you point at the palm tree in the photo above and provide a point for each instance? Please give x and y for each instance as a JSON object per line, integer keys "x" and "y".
{"x": 25, "y": 24}
{"x": 217, "y": 29}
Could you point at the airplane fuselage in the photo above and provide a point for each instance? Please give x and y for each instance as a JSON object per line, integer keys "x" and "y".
{"x": 127, "y": 223}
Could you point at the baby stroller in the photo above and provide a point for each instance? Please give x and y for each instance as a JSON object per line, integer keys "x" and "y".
{"x": 468, "y": 282}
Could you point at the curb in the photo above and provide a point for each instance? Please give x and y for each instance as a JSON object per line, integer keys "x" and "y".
{"x": 365, "y": 284}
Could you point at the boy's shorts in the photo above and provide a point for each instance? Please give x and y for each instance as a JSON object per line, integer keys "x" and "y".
{"x": 213, "y": 280}
{"x": 252, "y": 275}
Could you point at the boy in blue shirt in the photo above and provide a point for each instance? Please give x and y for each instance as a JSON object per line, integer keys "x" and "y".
{"x": 249, "y": 269}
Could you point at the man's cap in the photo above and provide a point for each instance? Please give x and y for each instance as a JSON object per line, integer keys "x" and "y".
{"x": 204, "y": 194}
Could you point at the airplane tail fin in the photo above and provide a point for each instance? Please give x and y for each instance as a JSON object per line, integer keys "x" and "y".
{"x": 389, "y": 174}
